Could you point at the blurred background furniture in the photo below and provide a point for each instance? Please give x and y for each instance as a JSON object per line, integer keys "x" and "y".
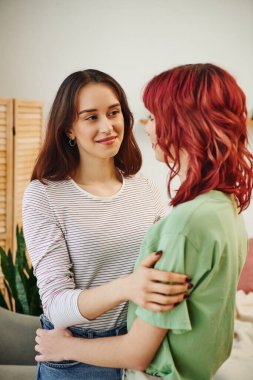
{"x": 17, "y": 345}
{"x": 240, "y": 363}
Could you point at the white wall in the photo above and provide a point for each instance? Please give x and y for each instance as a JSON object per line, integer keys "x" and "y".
{"x": 41, "y": 42}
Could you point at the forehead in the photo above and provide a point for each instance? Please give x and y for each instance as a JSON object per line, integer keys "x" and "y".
{"x": 96, "y": 95}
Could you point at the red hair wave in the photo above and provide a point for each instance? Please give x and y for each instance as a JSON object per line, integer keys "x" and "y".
{"x": 199, "y": 108}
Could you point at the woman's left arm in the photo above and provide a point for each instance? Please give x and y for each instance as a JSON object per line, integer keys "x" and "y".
{"x": 134, "y": 350}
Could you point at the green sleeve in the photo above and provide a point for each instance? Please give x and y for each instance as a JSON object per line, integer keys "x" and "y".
{"x": 179, "y": 255}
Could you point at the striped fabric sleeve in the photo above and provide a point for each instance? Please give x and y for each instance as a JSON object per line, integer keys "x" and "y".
{"x": 50, "y": 259}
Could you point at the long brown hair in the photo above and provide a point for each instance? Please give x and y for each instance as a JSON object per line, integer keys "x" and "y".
{"x": 57, "y": 159}
{"x": 201, "y": 109}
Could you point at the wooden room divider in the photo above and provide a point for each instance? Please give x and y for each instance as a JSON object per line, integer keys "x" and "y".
{"x": 21, "y": 126}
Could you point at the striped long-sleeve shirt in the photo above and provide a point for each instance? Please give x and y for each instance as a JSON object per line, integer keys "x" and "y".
{"x": 78, "y": 241}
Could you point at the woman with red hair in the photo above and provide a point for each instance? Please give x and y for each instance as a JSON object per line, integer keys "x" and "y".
{"x": 81, "y": 227}
{"x": 198, "y": 128}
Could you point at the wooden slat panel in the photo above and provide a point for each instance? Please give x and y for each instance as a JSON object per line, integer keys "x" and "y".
{"x": 23, "y": 148}
{"x": 27, "y": 144}
{"x": 3, "y": 179}
{"x": 30, "y": 124}
{"x": 29, "y": 103}
{"x": 3, "y": 168}
{"x": 2, "y": 218}
{"x": 2, "y": 123}
{"x": 28, "y": 110}
{"x": 2, "y": 230}
{"x": 26, "y": 140}
{"x": 6, "y": 173}
{"x": 29, "y": 116}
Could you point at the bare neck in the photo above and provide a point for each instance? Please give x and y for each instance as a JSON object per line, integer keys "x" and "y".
{"x": 184, "y": 162}
{"x": 96, "y": 172}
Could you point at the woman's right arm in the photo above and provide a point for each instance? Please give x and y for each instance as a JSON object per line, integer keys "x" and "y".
{"x": 146, "y": 287}
{"x": 62, "y": 302}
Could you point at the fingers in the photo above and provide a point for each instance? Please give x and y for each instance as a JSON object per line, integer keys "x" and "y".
{"x": 169, "y": 289}
{"x": 166, "y": 300}
{"x": 163, "y": 276}
{"x": 158, "y": 308}
{"x": 37, "y": 348}
{"x": 166, "y": 277}
{"x": 40, "y": 332}
{"x": 161, "y": 303}
{"x": 151, "y": 259}
{"x": 40, "y": 358}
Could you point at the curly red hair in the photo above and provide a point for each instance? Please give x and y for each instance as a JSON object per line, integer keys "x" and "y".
{"x": 199, "y": 108}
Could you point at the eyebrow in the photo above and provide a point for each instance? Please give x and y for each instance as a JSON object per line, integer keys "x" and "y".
{"x": 94, "y": 109}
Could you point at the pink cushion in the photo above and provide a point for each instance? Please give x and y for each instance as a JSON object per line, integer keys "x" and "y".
{"x": 246, "y": 278}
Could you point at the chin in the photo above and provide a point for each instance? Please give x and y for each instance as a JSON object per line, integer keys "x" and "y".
{"x": 159, "y": 157}
{"x": 111, "y": 154}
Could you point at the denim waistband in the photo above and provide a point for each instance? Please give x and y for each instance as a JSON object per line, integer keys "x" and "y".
{"x": 85, "y": 332}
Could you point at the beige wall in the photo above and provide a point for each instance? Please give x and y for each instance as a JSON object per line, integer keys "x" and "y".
{"x": 42, "y": 41}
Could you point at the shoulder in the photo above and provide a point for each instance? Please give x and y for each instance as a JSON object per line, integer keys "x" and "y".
{"x": 39, "y": 193}
{"x": 141, "y": 181}
{"x": 207, "y": 209}
{"x": 203, "y": 216}
{"x": 34, "y": 189}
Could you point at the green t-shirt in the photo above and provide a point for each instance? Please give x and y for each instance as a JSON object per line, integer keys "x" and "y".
{"x": 206, "y": 239}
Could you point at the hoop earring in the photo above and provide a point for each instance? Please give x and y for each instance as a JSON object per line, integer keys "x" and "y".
{"x": 72, "y": 143}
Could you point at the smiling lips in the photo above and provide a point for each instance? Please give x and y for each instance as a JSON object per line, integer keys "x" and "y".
{"x": 107, "y": 141}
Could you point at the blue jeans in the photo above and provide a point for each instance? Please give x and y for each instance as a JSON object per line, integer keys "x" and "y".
{"x": 70, "y": 370}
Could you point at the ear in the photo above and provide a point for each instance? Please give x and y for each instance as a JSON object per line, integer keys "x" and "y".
{"x": 70, "y": 134}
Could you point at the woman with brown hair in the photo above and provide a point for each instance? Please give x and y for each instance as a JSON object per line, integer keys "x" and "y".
{"x": 85, "y": 214}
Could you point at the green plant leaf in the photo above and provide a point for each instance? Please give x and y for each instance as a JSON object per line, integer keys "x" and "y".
{"x": 19, "y": 280}
{"x": 24, "y": 275}
{"x": 9, "y": 293}
{"x": 8, "y": 270}
{"x": 12, "y": 275}
{"x": 18, "y": 307}
{"x": 21, "y": 258}
{"x": 22, "y": 297}
{"x": 4, "y": 264}
{"x": 29, "y": 285}
{"x": 34, "y": 298}
{"x": 2, "y": 301}
{"x": 35, "y": 303}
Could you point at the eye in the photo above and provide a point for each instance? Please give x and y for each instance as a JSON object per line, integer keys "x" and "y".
{"x": 150, "y": 118}
{"x": 114, "y": 113}
{"x": 92, "y": 117}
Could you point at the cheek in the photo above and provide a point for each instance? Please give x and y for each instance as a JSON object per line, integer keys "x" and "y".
{"x": 120, "y": 125}
{"x": 87, "y": 136}
{"x": 152, "y": 132}
{"x": 153, "y": 136}
{"x": 159, "y": 154}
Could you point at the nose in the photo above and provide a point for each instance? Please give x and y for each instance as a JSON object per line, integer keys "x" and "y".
{"x": 106, "y": 126}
